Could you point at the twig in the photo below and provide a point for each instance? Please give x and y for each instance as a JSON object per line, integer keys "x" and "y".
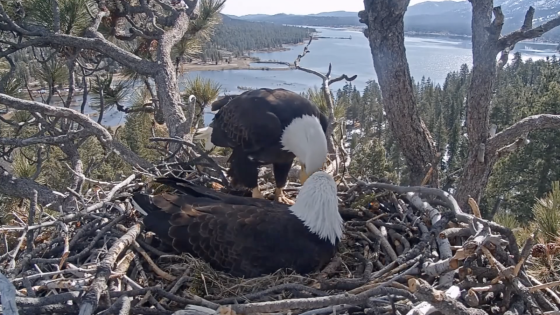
{"x": 440, "y": 300}
{"x": 99, "y": 284}
{"x": 543, "y": 286}
{"x": 31, "y": 220}
{"x": 373, "y": 229}
{"x": 278, "y": 288}
{"x": 318, "y": 302}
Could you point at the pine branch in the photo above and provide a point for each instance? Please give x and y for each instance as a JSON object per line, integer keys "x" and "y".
{"x": 88, "y": 125}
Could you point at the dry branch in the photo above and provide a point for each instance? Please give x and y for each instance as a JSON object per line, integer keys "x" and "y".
{"x": 99, "y": 284}
{"x": 104, "y": 137}
{"x": 455, "y": 262}
{"x": 440, "y": 300}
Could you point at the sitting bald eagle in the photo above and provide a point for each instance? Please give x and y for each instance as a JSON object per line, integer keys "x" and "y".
{"x": 247, "y": 237}
{"x": 268, "y": 126}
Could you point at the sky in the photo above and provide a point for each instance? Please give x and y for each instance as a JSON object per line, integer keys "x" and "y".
{"x": 242, "y": 7}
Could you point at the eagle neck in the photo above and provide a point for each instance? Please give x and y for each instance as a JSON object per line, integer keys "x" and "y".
{"x": 317, "y": 207}
{"x": 305, "y": 138}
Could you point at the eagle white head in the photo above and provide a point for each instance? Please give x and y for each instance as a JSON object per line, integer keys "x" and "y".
{"x": 305, "y": 137}
{"x": 317, "y": 206}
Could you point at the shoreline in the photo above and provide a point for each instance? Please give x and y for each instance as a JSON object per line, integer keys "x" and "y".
{"x": 538, "y": 40}
{"x": 248, "y": 62}
{"x": 237, "y": 63}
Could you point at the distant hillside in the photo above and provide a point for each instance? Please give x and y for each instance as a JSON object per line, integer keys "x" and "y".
{"x": 452, "y": 17}
{"x": 311, "y": 20}
{"x": 336, "y": 14}
{"x": 240, "y": 36}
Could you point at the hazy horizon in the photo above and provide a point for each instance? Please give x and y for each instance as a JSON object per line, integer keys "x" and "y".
{"x": 244, "y": 7}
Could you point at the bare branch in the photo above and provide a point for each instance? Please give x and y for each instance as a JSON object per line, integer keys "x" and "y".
{"x": 318, "y": 302}
{"x": 31, "y": 221}
{"x": 528, "y": 21}
{"x": 56, "y": 16}
{"x": 70, "y": 136}
{"x": 498, "y": 22}
{"x": 23, "y": 188}
{"x": 96, "y": 129}
{"x": 513, "y": 38}
{"x": 12, "y": 25}
{"x": 521, "y": 128}
{"x": 99, "y": 284}
{"x": 440, "y": 300}
{"x": 343, "y": 77}
{"x": 104, "y": 47}
{"x": 178, "y": 31}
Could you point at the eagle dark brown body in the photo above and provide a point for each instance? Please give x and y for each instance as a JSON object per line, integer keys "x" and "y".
{"x": 253, "y": 123}
{"x": 245, "y": 237}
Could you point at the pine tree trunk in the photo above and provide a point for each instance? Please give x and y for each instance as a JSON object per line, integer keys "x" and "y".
{"x": 385, "y": 33}
{"x": 178, "y": 123}
{"x": 480, "y": 161}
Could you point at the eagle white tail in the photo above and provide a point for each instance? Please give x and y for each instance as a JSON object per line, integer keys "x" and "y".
{"x": 206, "y": 135}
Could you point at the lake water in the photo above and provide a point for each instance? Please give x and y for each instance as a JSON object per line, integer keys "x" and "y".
{"x": 432, "y": 57}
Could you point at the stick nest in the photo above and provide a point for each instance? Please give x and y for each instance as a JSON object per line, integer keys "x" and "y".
{"x": 406, "y": 250}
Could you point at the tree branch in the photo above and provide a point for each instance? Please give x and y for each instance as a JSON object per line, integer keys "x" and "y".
{"x": 101, "y": 45}
{"x": 24, "y": 187}
{"x": 96, "y": 129}
{"x": 70, "y": 136}
{"x": 99, "y": 284}
{"x": 521, "y": 128}
{"x": 317, "y": 302}
{"x": 526, "y": 32}
{"x": 440, "y": 300}
{"x": 528, "y": 21}
{"x": 56, "y": 16}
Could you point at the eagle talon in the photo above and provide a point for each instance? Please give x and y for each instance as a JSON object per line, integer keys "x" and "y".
{"x": 285, "y": 200}
{"x": 257, "y": 193}
{"x": 281, "y": 198}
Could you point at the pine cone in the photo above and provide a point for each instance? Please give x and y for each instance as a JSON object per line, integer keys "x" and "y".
{"x": 539, "y": 250}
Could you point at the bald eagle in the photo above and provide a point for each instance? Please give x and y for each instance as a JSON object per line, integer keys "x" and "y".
{"x": 247, "y": 237}
{"x": 268, "y": 126}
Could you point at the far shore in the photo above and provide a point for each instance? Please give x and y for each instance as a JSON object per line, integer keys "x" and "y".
{"x": 538, "y": 40}
{"x": 246, "y": 62}
{"x": 243, "y": 63}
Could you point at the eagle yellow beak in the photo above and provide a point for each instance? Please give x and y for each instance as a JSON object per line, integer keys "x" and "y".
{"x": 303, "y": 176}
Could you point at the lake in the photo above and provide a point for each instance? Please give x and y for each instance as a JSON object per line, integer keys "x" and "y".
{"x": 432, "y": 57}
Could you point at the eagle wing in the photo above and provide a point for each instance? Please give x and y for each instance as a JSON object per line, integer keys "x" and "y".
{"x": 247, "y": 121}
{"x": 202, "y": 195}
{"x": 242, "y": 240}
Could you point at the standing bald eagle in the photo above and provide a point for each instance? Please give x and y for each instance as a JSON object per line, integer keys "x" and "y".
{"x": 268, "y": 126}
{"x": 248, "y": 237}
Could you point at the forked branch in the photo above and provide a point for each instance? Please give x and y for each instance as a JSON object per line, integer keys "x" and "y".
{"x": 519, "y": 130}
{"x": 527, "y": 31}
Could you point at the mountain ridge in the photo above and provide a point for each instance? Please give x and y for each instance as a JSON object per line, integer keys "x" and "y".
{"x": 443, "y": 17}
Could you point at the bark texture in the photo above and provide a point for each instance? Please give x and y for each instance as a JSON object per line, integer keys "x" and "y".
{"x": 485, "y": 34}
{"x": 165, "y": 79}
{"x": 385, "y": 32}
{"x": 484, "y": 150}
